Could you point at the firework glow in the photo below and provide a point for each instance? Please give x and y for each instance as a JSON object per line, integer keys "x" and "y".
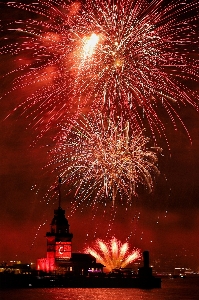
{"x": 113, "y": 255}
{"x": 107, "y": 158}
{"x": 90, "y": 45}
{"x": 131, "y": 56}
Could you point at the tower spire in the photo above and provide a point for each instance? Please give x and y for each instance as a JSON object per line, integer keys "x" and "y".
{"x": 59, "y": 188}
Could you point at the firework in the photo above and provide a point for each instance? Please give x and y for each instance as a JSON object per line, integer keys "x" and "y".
{"x": 131, "y": 56}
{"x": 106, "y": 158}
{"x": 113, "y": 255}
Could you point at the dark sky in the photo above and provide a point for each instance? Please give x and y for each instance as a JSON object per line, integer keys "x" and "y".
{"x": 166, "y": 222}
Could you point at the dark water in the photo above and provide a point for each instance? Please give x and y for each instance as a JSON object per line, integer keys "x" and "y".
{"x": 172, "y": 289}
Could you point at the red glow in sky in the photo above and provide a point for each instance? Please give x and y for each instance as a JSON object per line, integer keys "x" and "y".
{"x": 37, "y": 72}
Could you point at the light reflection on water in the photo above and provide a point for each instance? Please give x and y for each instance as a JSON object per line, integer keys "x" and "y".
{"x": 177, "y": 289}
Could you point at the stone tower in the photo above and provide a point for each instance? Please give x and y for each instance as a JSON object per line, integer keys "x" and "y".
{"x": 59, "y": 239}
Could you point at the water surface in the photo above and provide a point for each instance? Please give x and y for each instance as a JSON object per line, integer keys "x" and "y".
{"x": 172, "y": 289}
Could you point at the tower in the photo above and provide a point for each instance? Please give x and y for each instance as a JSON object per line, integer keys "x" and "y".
{"x": 59, "y": 239}
{"x": 60, "y": 259}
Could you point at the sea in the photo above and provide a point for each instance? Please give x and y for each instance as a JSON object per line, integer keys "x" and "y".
{"x": 172, "y": 289}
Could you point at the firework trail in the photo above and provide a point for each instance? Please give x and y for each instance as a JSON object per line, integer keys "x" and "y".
{"x": 105, "y": 159}
{"x": 113, "y": 255}
{"x": 125, "y": 56}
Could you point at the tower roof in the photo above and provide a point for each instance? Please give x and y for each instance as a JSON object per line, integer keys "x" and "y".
{"x": 59, "y": 226}
{"x": 59, "y": 223}
{"x": 59, "y": 217}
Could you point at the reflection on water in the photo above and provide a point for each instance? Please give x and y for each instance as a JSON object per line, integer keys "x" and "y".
{"x": 172, "y": 289}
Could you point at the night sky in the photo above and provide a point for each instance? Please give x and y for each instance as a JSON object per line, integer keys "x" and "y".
{"x": 165, "y": 222}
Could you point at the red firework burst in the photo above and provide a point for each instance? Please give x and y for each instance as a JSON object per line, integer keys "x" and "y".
{"x": 123, "y": 55}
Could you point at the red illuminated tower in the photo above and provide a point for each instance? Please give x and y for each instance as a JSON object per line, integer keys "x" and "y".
{"x": 59, "y": 239}
{"x": 60, "y": 259}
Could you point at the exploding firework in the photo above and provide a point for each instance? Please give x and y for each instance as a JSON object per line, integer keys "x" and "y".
{"x": 123, "y": 55}
{"x": 113, "y": 255}
{"x": 106, "y": 158}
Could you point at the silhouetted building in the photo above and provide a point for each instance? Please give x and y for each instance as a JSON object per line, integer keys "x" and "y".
{"x": 145, "y": 271}
{"x": 60, "y": 258}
